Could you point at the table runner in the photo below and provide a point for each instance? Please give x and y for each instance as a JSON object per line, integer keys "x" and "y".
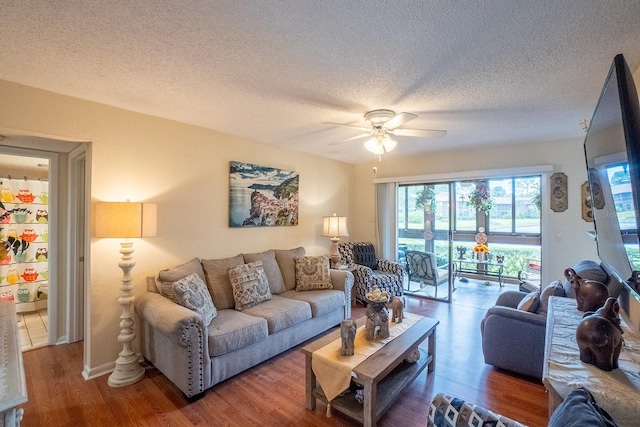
{"x": 617, "y": 391}
{"x": 333, "y": 371}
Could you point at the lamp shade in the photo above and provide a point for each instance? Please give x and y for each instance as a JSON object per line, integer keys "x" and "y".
{"x": 125, "y": 219}
{"x": 334, "y": 226}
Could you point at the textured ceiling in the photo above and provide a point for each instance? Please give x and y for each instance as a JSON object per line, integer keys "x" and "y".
{"x": 489, "y": 72}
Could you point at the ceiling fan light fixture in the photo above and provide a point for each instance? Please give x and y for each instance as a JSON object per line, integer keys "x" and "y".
{"x": 388, "y": 143}
{"x": 374, "y": 145}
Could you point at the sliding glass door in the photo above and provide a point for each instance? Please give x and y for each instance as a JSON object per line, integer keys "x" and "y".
{"x": 424, "y": 239}
{"x": 444, "y": 228}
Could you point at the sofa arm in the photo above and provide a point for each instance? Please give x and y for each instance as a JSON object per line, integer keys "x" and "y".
{"x": 510, "y": 298}
{"x": 175, "y": 341}
{"x": 514, "y": 340}
{"x": 166, "y": 316}
{"x": 391, "y": 267}
{"x": 342, "y": 280}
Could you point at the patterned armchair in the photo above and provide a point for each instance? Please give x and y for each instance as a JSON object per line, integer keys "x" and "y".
{"x": 370, "y": 272}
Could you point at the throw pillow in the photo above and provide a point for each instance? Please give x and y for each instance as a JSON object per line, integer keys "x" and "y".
{"x": 312, "y": 272}
{"x": 530, "y": 303}
{"x": 250, "y": 285}
{"x": 286, "y": 259}
{"x": 271, "y": 269}
{"x": 554, "y": 289}
{"x": 365, "y": 254}
{"x": 167, "y": 277}
{"x": 193, "y": 294}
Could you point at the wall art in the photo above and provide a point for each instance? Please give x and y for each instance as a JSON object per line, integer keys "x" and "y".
{"x": 261, "y": 196}
{"x": 585, "y": 197}
{"x": 559, "y": 197}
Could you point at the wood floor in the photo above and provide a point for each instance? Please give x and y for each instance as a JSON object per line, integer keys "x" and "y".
{"x": 272, "y": 394}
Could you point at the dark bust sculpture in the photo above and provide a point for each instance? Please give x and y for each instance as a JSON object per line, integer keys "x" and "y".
{"x": 590, "y": 294}
{"x": 599, "y": 336}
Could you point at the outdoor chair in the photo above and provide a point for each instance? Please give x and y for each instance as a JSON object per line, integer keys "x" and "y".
{"x": 422, "y": 268}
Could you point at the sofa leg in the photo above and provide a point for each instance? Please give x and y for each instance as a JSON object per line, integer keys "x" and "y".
{"x": 195, "y": 397}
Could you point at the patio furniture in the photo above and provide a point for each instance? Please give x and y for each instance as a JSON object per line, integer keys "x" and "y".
{"x": 422, "y": 267}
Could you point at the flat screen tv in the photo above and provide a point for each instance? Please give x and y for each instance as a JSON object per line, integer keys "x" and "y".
{"x": 612, "y": 151}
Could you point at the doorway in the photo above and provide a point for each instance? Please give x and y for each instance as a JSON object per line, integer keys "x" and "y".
{"x": 58, "y": 300}
{"x": 424, "y": 238}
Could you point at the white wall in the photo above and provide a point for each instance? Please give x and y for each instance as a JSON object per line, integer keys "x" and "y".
{"x": 185, "y": 171}
{"x": 564, "y": 237}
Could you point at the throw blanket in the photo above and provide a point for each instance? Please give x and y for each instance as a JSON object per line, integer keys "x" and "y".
{"x": 333, "y": 371}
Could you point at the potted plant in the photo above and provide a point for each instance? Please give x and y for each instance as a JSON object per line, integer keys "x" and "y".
{"x": 480, "y": 198}
{"x": 426, "y": 200}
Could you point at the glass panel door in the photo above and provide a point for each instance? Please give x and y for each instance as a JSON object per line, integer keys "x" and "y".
{"x": 424, "y": 230}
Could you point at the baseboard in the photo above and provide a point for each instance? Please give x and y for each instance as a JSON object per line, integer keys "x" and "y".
{"x": 106, "y": 368}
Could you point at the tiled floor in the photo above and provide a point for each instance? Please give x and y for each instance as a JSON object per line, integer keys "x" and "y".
{"x": 34, "y": 329}
{"x": 470, "y": 292}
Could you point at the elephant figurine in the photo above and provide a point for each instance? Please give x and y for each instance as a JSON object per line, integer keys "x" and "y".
{"x": 590, "y": 294}
{"x": 348, "y": 336}
{"x": 397, "y": 309}
{"x": 377, "y": 324}
{"x": 599, "y": 336}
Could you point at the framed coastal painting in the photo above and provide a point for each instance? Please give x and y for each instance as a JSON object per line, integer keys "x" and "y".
{"x": 260, "y": 196}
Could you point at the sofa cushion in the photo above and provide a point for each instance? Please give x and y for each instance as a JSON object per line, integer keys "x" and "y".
{"x": 171, "y": 275}
{"x": 530, "y": 302}
{"x": 216, "y": 272}
{"x": 280, "y": 312}
{"x": 553, "y": 289}
{"x": 321, "y": 302}
{"x": 271, "y": 269}
{"x": 250, "y": 285}
{"x": 286, "y": 261}
{"x": 232, "y": 330}
{"x": 588, "y": 270}
{"x": 192, "y": 293}
{"x": 312, "y": 272}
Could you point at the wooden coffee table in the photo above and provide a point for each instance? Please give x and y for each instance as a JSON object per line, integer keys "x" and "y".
{"x": 383, "y": 374}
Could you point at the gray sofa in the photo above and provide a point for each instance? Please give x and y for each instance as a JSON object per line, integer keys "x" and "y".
{"x": 513, "y": 339}
{"x": 195, "y": 356}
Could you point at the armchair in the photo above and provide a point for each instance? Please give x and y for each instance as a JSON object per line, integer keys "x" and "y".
{"x": 513, "y": 338}
{"x": 369, "y": 271}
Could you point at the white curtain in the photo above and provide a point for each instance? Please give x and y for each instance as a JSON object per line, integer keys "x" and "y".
{"x": 386, "y": 220}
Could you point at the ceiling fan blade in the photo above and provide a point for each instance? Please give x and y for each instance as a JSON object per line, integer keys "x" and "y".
{"x": 399, "y": 120}
{"x": 420, "y": 133}
{"x": 353, "y": 138}
{"x": 362, "y": 128}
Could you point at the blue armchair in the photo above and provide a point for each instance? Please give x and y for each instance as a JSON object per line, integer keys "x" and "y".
{"x": 369, "y": 271}
{"x": 513, "y": 339}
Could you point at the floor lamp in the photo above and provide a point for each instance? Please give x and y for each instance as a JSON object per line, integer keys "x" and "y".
{"x": 125, "y": 220}
{"x": 334, "y": 227}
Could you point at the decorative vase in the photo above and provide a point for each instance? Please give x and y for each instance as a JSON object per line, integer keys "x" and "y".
{"x": 482, "y": 256}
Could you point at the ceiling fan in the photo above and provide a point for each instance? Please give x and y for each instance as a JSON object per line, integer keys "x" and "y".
{"x": 382, "y": 124}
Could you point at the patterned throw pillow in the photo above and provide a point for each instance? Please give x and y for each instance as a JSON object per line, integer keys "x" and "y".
{"x": 312, "y": 272}
{"x": 250, "y": 285}
{"x": 192, "y": 293}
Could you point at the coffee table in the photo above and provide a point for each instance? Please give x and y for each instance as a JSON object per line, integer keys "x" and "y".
{"x": 383, "y": 374}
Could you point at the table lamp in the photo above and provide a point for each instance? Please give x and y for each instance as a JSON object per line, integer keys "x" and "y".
{"x": 125, "y": 220}
{"x": 334, "y": 227}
